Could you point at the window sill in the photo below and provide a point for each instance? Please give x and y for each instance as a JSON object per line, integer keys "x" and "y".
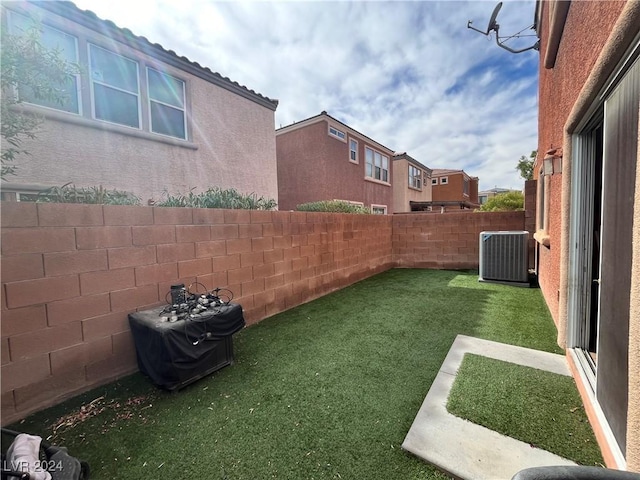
{"x": 542, "y": 237}
{"x": 75, "y": 119}
{"x": 355, "y": 162}
{"x": 414, "y": 188}
{"x": 380, "y": 182}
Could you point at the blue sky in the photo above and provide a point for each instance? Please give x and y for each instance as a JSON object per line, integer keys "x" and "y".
{"x": 408, "y": 74}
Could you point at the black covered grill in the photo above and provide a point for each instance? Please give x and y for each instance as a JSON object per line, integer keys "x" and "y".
{"x": 175, "y": 354}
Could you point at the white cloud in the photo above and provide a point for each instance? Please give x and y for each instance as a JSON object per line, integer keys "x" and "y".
{"x": 407, "y": 74}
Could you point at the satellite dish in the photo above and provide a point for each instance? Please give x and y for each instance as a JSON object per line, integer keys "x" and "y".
{"x": 494, "y": 26}
{"x": 492, "y": 21}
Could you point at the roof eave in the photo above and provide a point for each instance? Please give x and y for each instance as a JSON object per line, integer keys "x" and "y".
{"x": 410, "y": 159}
{"x": 90, "y": 20}
{"x": 322, "y": 115}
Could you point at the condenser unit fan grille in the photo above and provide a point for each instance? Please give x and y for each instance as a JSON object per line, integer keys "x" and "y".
{"x": 504, "y": 257}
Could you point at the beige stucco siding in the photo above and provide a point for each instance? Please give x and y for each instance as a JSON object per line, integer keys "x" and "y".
{"x": 235, "y": 148}
{"x": 402, "y": 193}
{"x": 230, "y": 139}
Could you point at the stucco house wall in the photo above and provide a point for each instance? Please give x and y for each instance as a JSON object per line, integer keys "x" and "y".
{"x": 449, "y": 192}
{"x": 473, "y": 190}
{"x": 561, "y": 86}
{"x": 403, "y": 193}
{"x": 592, "y": 39}
{"x": 314, "y": 165}
{"x": 453, "y": 190}
{"x": 230, "y": 130}
{"x": 549, "y": 256}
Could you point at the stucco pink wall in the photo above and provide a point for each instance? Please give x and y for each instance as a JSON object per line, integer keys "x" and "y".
{"x": 315, "y": 166}
{"x": 559, "y": 89}
{"x": 549, "y": 257}
{"x": 231, "y": 141}
{"x": 586, "y": 30}
{"x": 453, "y": 190}
{"x": 595, "y": 37}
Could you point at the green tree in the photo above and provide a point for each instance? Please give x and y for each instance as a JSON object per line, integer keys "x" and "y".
{"x": 504, "y": 202}
{"x": 42, "y": 74}
{"x": 525, "y": 165}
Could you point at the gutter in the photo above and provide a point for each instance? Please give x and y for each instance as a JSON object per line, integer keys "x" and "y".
{"x": 558, "y": 17}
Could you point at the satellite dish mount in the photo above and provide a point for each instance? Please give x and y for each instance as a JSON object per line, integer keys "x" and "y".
{"x": 501, "y": 41}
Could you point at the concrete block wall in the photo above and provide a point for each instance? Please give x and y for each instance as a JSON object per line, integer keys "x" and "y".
{"x": 72, "y": 273}
{"x": 446, "y": 241}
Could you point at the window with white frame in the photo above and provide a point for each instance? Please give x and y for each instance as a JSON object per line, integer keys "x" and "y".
{"x": 337, "y": 133}
{"x": 353, "y": 150}
{"x": 115, "y": 87}
{"x": 465, "y": 187}
{"x": 434, "y": 181}
{"x": 166, "y": 104}
{"x": 444, "y": 180}
{"x": 377, "y": 165}
{"x": 67, "y": 47}
{"x": 27, "y": 197}
{"x": 379, "y": 209}
{"x": 415, "y": 177}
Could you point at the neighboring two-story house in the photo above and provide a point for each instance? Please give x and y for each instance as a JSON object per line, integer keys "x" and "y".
{"x": 139, "y": 118}
{"x": 321, "y": 158}
{"x": 451, "y": 190}
{"x": 588, "y": 210}
{"x": 411, "y": 182}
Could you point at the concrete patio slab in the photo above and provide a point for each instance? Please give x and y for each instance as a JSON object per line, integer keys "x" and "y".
{"x": 464, "y": 449}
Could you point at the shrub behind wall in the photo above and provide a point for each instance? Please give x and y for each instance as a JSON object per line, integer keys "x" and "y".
{"x": 216, "y": 197}
{"x": 335, "y": 206}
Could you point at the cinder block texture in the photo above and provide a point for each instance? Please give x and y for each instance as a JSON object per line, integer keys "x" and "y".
{"x": 446, "y": 241}
{"x": 69, "y": 283}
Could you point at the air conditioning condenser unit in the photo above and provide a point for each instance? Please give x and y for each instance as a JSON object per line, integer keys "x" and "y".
{"x": 504, "y": 257}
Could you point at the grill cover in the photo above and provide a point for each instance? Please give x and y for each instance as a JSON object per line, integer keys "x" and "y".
{"x": 174, "y": 354}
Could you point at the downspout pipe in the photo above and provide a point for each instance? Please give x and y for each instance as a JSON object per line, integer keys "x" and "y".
{"x": 559, "y": 11}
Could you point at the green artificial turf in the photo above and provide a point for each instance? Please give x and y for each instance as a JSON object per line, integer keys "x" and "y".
{"x": 325, "y": 390}
{"x": 531, "y": 405}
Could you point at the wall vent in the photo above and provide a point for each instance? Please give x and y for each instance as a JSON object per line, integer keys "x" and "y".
{"x": 504, "y": 257}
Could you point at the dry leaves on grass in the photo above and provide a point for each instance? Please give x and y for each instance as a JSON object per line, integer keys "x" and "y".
{"x": 131, "y": 408}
